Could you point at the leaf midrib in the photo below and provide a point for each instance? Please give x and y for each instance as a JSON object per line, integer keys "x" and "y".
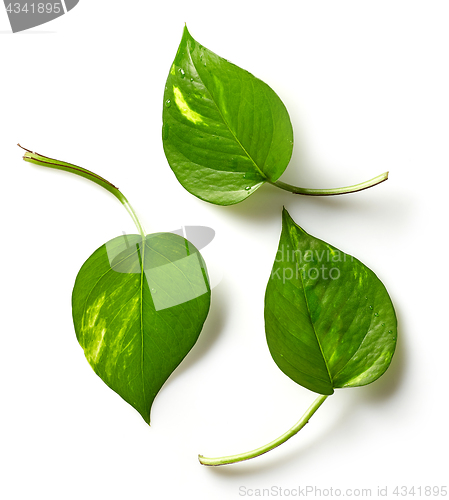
{"x": 294, "y": 245}
{"x": 284, "y": 359}
{"x": 225, "y": 122}
{"x": 142, "y": 356}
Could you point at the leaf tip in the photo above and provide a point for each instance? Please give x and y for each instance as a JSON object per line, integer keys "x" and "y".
{"x": 186, "y": 32}
{"x": 185, "y": 43}
{"x": 286, "y": 217}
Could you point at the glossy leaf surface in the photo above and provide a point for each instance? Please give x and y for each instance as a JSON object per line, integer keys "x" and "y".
{"x": 225, "y": 132}
{"x": 329, "y": 320}
{"x": 138, "y": 309}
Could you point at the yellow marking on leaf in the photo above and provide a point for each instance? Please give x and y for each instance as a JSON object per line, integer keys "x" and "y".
{"x": 191, "y": 115}
{"x": 221, "y": 98}
{"x": 115, "y": 343}
{"x": 93, "y": 352}
{"x": 94, "y": 310}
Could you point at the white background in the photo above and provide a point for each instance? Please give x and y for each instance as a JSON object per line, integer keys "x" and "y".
{"x": 366, "y": 85}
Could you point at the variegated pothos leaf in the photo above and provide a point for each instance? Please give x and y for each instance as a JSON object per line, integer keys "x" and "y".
{"x": 138, "y": 309}
{"x": 225, "y": 132}
{"x": 329, "y": 320}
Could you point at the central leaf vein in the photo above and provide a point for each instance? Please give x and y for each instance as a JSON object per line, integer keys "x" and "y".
{"x": 295, "y": 245}
{"x": 142, "y": 357}
{"x": 224, "y": 120}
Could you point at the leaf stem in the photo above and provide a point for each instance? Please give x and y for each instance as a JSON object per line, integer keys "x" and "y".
{"x": 45, "y": 161}
{"x": 330, "y": 192}
{"x": 231, "y": 459}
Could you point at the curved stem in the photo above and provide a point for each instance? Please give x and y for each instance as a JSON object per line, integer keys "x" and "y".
{"x": 329, "y": 192}
{"x": 132, "y": 213}
{"x": 45, "y": 161}
{"x": 231, "y": 459}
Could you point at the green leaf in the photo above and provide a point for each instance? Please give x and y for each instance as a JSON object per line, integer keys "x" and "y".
{"x": 225, "y": 132}
{"x": 329, "y": 320}
{"x": 137, "y": 322}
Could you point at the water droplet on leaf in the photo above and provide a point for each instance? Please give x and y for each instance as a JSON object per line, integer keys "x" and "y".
{"x": 167, "y": 103}
{"x": 182, "y": 72}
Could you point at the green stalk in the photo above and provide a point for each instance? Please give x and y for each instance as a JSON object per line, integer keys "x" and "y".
{"x": 231, "y": 459}
{"x": 330, "y": 192}
{"x": 45, "y": 161}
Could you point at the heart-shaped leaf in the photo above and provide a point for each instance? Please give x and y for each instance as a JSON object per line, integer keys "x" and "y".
{"x": 329, "y": 320}
{"x": 137, "y": 322}
{"x": 225, "y": 132}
